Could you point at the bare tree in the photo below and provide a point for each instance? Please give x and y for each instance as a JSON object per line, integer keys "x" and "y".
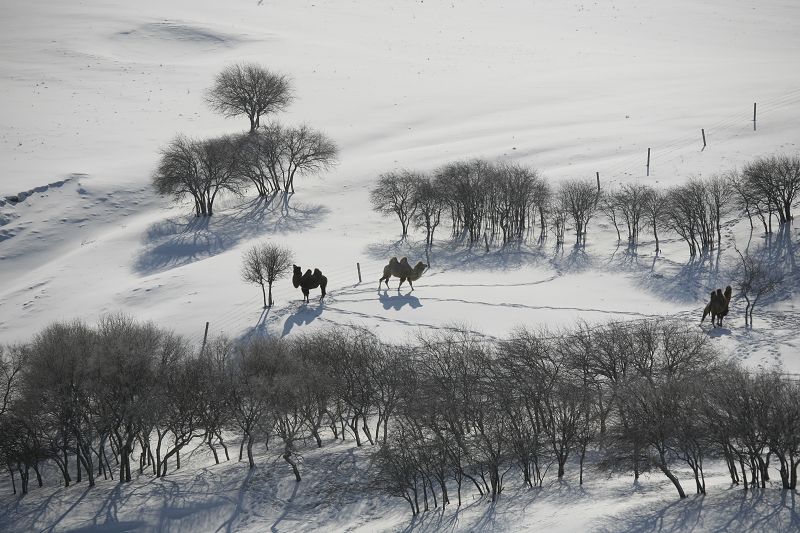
{"x": 394, "y": 194}
{"x": 579, "y": 198}
{"x": 251, "y": 90}
{"x": 689, "y": 215}
{"x": 306, "y": 151}
{"x": 201, "y": 169}
{"x": 265, "y": 263}
{"x": 274, "y": 155}
{"x": 720, "y": 195}
{"x": 12, "y": 361}
{"x": 430, "y": 202}
{"x": 655, "y": 211}
{"x": 775, "y": 179}
{"x": 633, "y": 199}
{"x": 755, "y": 278}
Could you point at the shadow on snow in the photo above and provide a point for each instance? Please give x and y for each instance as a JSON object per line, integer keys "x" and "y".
{"x": 183, "y": 240}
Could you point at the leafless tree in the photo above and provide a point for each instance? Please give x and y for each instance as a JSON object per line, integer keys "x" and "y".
{"x": 201, "y": 169}
{"x": 395, "y": 194}
{"x": 251, "y": 90}
{"x": 755, "y": 279}
{"x": 689, "y": 215}
{"x": 12, "y": 361}
{"x": 274, "y": 155}
{"x": 633, "y": 199}
{"x": 579, "y": 199}
{"x": 306, "y": 151}
{"x": 249, "y": 384}
{"x": 655, "y": 211}
{"x": 265, "y": 263}
{"x": 430, "y": 201}
{"x": 776, "y": 180}
{"x": 720, "y": 201}
{"x": 608, "y": 204}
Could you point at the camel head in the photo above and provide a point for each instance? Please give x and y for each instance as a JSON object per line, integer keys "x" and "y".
{"x": 297, "y": 273}
{"x": 417, "y": 271}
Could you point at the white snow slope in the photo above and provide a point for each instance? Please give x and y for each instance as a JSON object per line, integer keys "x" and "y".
{"x": 92, "y": 90}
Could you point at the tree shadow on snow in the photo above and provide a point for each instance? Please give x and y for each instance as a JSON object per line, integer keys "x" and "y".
{"x": 454, "y": 254}
{"x": 683, "y": 282}
{"x": 764, "y": 510}
{"x": 185, "y": 239}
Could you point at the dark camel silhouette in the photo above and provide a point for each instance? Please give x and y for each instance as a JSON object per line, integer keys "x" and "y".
{"x": 401, "y": 269}
{"x": 718, "y": 306}
{"x": 309, "y": 281}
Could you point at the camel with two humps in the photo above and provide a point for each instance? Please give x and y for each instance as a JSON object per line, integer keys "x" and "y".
{"x": 403, "y": 270}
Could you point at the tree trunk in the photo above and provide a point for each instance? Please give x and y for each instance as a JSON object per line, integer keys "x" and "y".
{"x": 287, "y": 456}
{"x": 213, "y": 450}
{"x": 250, "y": 460}
{"x": 671, "y": 477}
{"x": 13, "y": 480}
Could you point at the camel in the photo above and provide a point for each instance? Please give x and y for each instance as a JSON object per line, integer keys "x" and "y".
{"x": 401, "y": 269}
{"x": 718, "y": 306}
{"x": 309, "y": 281}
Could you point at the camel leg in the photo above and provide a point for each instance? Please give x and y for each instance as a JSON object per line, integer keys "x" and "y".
{"x": 401, "y": 284}
{"x": 412, "y": 285}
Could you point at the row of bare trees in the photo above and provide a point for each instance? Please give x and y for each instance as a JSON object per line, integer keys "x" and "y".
{"x": 645, "y": 396}
{"x": 268, "y": 158}
{"x": 483, "y": 200}
{"x": 106, "y": 400}
{"x": 505, "y": 202}
{"x": 450, "y": 414}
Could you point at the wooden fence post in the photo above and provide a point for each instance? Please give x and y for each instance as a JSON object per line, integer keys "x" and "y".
{"x": 598, "y": 182}
{"x": 648, "y": 161}
{"x": 358, "y": 266}
{"x": 754, "y": 116}
{"x": 703, "y": 131}
{"x": 205, "y": 338}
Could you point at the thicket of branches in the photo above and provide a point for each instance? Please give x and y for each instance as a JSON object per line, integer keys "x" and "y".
{"x": 483, "y": 200}
{"x": 449, "y": 415}
{"x": 498, "y": 202}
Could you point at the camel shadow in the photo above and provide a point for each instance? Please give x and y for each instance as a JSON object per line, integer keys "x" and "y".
{"x": 182, "y": 240}
{"x": 717, "y": 332}
{"x": 399, "y": 301}
{"x": 304, "y": 315}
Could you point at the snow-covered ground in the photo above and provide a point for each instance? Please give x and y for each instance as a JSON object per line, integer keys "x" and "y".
{"x": 92, "y": 90}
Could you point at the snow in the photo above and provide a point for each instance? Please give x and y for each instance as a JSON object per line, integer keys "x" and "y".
{"x": 92, "y": 90}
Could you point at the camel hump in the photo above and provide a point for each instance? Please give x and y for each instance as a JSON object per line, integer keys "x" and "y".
{"x": 728, "y": 292}
{"x": 393, "y": 261}
{"x": 404, "y": 261}
{"x": 317, "y": 272}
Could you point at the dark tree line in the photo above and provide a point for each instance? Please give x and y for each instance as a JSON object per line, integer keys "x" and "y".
{"x": 483, "y": 200}
{"x": 453, "y": 414}
{"x": 646, "y": 396}
{"x": 498, "y": 202}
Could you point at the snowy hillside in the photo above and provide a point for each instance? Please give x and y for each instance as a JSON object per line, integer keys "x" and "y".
{"x": 93, "y": 90}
